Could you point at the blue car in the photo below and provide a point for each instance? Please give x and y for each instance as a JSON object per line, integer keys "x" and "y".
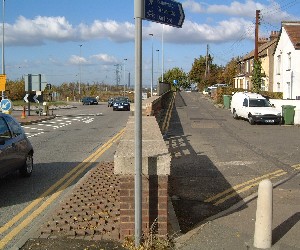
{"x": 121, "y": 103}
{"x": 89, "y": 101}
{"x": 16, "y": 152}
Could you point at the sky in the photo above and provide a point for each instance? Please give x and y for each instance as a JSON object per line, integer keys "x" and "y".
{"x": 89, "y": 41}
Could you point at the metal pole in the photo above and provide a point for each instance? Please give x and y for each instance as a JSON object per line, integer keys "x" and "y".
{"x": 157, "y": 65}
{"x": 138, "y": 13}
{"x": 151, "y": 90}
{"x": 162, "y": 54}
{"x": 3, "y": 65}
{"x": 79, "y": 92}
{"x": 124, "y": 76}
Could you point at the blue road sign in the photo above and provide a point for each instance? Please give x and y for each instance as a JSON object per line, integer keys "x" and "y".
{"x": 6, "y": 105}
{"x": 164, "y": 11}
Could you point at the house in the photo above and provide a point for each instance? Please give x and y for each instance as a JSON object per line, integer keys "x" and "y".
{"x": 287, "y": 61}
{"x": 266, "y": 48}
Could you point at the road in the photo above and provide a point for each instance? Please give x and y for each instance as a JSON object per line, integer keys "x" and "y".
{"x": 218, "y": 161}
{"x": 65, "y": 149}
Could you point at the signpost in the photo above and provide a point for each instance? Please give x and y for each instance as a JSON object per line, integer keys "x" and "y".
{"x": 165, "y": 12}
{"x": 2, "y": 82}
{"x": 34, "y": 83}
{"x": 6, "y": 106}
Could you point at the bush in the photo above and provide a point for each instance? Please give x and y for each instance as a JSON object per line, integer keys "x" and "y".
{"x": 218, "y": 94}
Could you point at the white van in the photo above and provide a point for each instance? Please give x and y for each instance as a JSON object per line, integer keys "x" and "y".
{"x": 255, "y": 108}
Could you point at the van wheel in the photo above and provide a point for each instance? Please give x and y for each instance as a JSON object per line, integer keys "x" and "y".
{"x": 250, "y": 119}
{"x": 235, "y": 116}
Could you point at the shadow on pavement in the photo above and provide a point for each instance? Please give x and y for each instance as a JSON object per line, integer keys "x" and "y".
{"x": 194, "y": 177}
{"x": 282, "y": 229}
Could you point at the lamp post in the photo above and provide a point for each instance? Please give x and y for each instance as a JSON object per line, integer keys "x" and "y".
{"x": 3, "y": 65}
{"x": 125, "y": 59}
{"x": 151, "y": 89}
{"x": 157, "y": 64}
{"x": 162, "y": 53}
{"x": 80, "y": 45}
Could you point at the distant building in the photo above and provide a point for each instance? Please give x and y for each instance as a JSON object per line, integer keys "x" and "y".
{"x": 266, "y": 47}
{"x": 287, "y": 61}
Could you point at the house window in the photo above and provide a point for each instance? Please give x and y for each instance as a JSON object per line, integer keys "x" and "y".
{"x": 289, "y": 61}
{"x": 263, "y": 85}
{"x": 278, "y": 65}
{"x": 289, "y": 90}
{"x": 247, "y": 66}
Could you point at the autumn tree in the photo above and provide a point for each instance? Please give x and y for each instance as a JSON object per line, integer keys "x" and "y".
{"x": 230, "y": 71}
{"x": 205, "y": 72}
{"x": 176, "y": 74}
{"x": 15, "y": 89}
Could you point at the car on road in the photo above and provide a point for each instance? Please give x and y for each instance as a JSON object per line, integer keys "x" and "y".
{"x": 16, "y": 151}
{"x": 255, "y": 108}
{"x": 121, "y": 103}
{"x": 89, "y": 101}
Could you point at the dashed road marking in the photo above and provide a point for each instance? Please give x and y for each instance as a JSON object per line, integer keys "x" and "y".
{"x": 61, "y": 122}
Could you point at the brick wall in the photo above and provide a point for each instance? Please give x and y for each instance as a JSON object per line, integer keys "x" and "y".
{"x": 154, "y": 205}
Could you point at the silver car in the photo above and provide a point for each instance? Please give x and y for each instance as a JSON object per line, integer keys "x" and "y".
{"x": 16, "y": 152}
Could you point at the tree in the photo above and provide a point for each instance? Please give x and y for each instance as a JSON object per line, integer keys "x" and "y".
{"x": 256, "y": 76}
{"x": 230, "y": 71}
{"x": 198, "y": 69}
{"x": 205, "y": 75}
{"x": 176, "y": 74}
{"x": 15, "y": 89}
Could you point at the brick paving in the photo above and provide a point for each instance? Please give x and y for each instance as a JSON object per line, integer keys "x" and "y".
{"x": 91, "y": 211}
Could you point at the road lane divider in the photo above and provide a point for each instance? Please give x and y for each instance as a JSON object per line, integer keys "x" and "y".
{"x": 62, "y": 184}
{"x": 231, "y": 192}
{"x": 245, "y": 186}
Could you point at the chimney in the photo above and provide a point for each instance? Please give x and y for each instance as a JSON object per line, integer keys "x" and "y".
{"x": 274, "y": 35}
{"x": 262, "y": 40}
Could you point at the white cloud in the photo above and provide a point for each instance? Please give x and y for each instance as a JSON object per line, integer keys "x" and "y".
{"x": 77, "y": 60}
{"x": 42, "y": 29}
{"x": 193, "y": 6}
{"x": 224, "y": 31}
{"x": 271, "y": 12}
{"x": 107, "y": 59}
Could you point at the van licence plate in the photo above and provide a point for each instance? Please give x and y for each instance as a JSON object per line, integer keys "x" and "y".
{"x": 269, "y": 121}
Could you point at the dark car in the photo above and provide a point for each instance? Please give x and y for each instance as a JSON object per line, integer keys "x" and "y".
{"x": 16, "y": 152}
{"x": 121, "y": 103}
{"x": 89, "y": 101}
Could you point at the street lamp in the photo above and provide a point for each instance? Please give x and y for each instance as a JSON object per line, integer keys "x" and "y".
{"x": 80, "y": 45}
{"x": 125, "y": 59}
{"x": 157, "y": 64}
{"x": 151, "y": 89}
{"x": 3, "y": 66}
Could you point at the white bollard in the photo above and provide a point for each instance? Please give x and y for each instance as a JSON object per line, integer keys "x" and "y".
{"x": 264, "y": 214}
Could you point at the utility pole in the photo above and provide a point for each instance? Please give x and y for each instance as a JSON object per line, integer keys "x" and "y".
{"x": 257, "y": 19}
{"x": 3, "y": 64}
{"x": 117, "y": 74}
{"x": 206, "y": 62}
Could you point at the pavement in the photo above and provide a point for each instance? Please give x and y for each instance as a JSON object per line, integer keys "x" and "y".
{"x": 91, "y": 212}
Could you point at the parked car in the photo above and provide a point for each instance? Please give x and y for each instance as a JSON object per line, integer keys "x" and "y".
{"x": 89, "y": 101}
{"x": 255, "y": 108}
{"x": 16, "y": 152}
{"x": 121, "y": 103}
